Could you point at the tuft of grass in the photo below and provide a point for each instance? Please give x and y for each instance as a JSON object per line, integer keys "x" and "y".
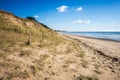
{"x": 68, "y": 62}
{"x": 81, "y": 77}
{"x": 44, "y": 56}
{"x": 97, "y": 66}
{"x": 93, "y": 57}
{"x": 81, "y": 54}
{"x": 2, "y": 54}
{"x": 84, "y": 63}
{"x": 97, "y": 71}
{"x": 92, "y": 78}
{"x": 20, "y": 74}
{"x": 34, "y": 69}
{"x": 26, "y": 53}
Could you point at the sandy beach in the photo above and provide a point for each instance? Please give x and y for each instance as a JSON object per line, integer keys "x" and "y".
{"x": 60, "y": 40}
{"x": 107, "y": 47}
{"x": 107, "y": 53}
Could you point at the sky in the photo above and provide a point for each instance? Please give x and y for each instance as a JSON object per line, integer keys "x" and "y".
{"x": 69, "y": 15}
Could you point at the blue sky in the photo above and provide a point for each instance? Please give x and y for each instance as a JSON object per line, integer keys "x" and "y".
{"x": 69, "y": 15}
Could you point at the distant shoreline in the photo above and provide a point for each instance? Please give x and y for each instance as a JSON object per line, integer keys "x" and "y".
{"x": 85, "y": 36}
{"x": 95, "y": 38}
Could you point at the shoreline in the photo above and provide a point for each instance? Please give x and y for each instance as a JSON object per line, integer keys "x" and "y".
{"x": 98, "y": 38}
{"x": 93, "y": 37}
{"x": 106, "y": 52}
{"x": 108, "y": 47}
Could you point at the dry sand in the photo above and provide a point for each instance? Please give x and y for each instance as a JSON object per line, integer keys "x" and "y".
{"x": 108, "y": 47}
{"x": 79, "y": 58}
{"x": 107, "y": 52}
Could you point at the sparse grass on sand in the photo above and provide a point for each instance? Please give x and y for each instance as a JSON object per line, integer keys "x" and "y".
{"x": 81, "y": 77}
{"x": 84, "y": 63}
{"x": 27, "y": 62}
{"x": 45, "y": 55}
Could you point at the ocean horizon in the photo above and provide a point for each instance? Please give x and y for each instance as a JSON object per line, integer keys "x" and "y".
{"x": 102, "y": 35}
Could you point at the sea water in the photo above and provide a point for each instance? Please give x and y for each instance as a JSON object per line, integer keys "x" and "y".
{"x": 103, "y": 35}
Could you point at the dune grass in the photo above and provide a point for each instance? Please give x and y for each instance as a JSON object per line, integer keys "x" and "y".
{"x": 20, "y": 60}
{"x": 81, "y": 77}
{"x": 84, "y": 63}
{"x": 42, "y": 35}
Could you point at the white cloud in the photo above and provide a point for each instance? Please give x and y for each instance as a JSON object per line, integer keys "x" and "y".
{"x": 36, "y": 16}
{"x": 62, "y": 8}
{"x": 114, "y": 22}
{"x": 79, "y": 9}
{"x": 79, "y": 21}
{"x": 86, "y": 21}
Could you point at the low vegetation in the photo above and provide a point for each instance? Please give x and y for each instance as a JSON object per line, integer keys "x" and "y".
{"x": 18, "y": 60}
{"x": 81, "y": 54}
{"x": 84, "y": 63}
{"x": 26, "y": 53}
{"x": 82, "y": 77}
